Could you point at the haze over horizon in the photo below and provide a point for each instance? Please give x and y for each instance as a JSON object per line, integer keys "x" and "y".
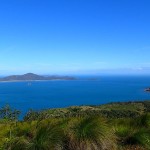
{"x": 75, "y": 37}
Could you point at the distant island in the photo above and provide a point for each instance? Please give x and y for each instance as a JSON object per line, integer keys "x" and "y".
{"x": 34, "y": 77}
{"x": 147, "y": 90}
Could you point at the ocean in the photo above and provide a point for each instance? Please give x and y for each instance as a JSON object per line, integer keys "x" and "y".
{"x": 38, "y": 95}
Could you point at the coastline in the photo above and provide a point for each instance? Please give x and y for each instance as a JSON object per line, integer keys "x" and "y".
{"x": 36, "y": 80}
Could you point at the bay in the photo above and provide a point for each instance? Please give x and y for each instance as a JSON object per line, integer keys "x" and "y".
{"x": 86, "y": 90}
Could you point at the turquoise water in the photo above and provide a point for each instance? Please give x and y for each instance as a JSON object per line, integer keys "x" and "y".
{"x": 52, "y": 94}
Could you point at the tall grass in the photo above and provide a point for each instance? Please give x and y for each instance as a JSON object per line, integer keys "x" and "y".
{"x": 78, "y": 133}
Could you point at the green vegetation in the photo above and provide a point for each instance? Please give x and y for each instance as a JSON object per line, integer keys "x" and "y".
{"x": 114, "y": 126}
{"x": 111, "y": 110}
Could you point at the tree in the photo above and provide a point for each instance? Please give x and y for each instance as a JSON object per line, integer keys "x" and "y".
{"x": 5, "y": 112}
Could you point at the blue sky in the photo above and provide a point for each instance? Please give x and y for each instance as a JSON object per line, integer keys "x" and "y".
{"x": 75, "y": 36}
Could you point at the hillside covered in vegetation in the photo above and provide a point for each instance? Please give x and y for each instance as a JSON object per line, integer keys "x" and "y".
{"x": 114, "y": 126}
{"x": 34, "y": 77}
{"x": 110, "y": 110}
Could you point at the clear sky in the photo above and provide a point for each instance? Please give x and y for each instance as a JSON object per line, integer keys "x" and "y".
{"x": 74, "y": 36}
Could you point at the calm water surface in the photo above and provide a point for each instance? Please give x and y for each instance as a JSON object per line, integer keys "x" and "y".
{"x": 50, "y": 94}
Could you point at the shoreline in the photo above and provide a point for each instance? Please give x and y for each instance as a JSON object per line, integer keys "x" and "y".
{"x": 36, "y": 80}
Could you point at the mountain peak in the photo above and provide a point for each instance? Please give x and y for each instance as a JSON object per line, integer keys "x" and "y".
{"x": 30, "y": 73}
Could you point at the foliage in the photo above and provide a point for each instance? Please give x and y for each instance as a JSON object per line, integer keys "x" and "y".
{"x": 8, "y": 113}
{"x": 111, "y": 110}
{"x": 79, "y": 128}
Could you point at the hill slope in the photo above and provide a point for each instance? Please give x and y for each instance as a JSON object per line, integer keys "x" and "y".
{"x": 31, "y": 76}
{"x": 111, "y": 110}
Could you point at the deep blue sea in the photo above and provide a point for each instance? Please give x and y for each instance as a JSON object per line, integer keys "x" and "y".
{"x": 84, "y": 91}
